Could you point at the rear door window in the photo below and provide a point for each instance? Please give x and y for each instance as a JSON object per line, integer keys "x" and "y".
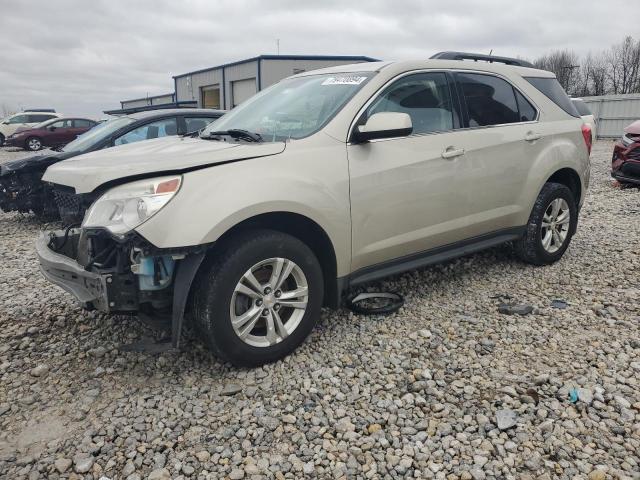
{"x": 425, "y": 97}
{"x": 82, "y": 123}
{"x": 552, "y": 89}
{"x": 490, "y": 100}
{"x": 160, "y": 128}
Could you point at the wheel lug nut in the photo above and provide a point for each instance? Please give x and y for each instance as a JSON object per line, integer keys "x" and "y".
{"x": 276, "y": 307}
{"x": 265, "y": 312}
{"x": 278, "y": 293}
{"x": 258, "y": 302}
{"x": 267, "y": 291}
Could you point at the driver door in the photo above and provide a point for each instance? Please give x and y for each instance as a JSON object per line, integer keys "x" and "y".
{"x": 406, "y": 193}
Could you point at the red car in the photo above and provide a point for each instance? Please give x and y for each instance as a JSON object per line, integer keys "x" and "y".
{"x": 52, "y": 133}
{"x": 625, "y": 164}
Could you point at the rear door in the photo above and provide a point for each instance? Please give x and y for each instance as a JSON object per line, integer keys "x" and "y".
{"x": 502, "y": 139}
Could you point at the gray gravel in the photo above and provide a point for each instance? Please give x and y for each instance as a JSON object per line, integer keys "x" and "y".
{"x": 446, "y": 388}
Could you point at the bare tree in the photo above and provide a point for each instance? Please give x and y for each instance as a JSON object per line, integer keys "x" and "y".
{"x": 623, "y": 66}
{"x": 6, "y": 110}
{"x": 564, "y": 64}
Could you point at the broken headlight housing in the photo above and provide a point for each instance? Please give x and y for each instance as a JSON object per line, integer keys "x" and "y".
{"x": 128, "y": 206}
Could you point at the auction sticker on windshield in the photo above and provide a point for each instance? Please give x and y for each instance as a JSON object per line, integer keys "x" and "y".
{"x": 344, "y": 80}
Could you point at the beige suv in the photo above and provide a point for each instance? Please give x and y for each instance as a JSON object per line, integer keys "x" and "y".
{"x": 23, "y": 120}
{"x": 326, "y": 180}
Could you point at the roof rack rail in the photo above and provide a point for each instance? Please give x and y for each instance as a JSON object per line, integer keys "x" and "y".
{"x": 485, "y": 58}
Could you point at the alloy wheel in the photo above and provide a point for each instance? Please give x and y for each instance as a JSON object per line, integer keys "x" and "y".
{"x": 555, "y": 225}
{"x": 269, "y": 302}
{"x": 34, "y": 144}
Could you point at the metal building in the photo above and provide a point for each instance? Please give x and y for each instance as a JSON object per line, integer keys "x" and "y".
{"x": 226, "y": 86}
{"x": 614, "y": 112}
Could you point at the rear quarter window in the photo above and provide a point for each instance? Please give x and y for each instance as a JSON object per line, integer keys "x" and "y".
{"x": 552, "y": 89}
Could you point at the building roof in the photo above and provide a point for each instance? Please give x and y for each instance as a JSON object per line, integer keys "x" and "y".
{"x": 353, "y": 58}
{"x": 170, "y": 94}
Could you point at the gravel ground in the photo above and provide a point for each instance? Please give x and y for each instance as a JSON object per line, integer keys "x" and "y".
{"x": 446, "y": 388}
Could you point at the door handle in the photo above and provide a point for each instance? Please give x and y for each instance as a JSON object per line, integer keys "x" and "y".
{"x": 532, "y": 136}
{"x": 452, "y": 152}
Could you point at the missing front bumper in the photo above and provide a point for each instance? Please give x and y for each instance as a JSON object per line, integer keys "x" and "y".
{"x": 106, "y": 291}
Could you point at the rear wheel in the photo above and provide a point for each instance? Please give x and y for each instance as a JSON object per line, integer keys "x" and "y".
{"x": 551, "y": 225}
{"x": 33, "y": 143}
{"x": 259, "y": 298}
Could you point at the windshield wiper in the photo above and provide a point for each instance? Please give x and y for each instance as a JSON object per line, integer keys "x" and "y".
{"x": 236, "y": 133}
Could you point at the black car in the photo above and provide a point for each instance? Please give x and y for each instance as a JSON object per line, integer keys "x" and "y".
{"x": 21, "y": 188}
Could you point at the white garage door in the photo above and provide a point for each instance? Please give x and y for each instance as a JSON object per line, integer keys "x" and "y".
{"x": 241, "y": 90}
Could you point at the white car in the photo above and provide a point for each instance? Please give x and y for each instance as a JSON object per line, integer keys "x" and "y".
{"x": 324, "y": 181}
{"x": 587, "y": 117}
{"x": 9, "y": 125}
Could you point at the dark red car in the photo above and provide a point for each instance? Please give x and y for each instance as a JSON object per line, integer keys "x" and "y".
{"x": 52, "y": 133}
{"x": 625, "y": 164}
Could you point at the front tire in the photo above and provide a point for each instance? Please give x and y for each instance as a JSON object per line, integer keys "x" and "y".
{"x": 258, "y": 298}
{"x": 551, "y": 225}
{"x": 33, "y": 144}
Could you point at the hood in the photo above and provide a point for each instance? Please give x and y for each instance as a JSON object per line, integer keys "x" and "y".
{"x": 87, "y": 172}
{"x": 42, "y": 161}
{"x": 634, "y": 128}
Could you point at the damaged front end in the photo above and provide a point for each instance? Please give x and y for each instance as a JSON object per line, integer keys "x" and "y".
{"x": 121, "y": 275}
{"x": 25, "y": 192}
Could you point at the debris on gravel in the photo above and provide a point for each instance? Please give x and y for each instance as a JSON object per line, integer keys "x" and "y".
{"x": 417, "y": 394}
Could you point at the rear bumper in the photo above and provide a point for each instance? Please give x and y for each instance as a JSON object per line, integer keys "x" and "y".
{"x": 86, "y": 287}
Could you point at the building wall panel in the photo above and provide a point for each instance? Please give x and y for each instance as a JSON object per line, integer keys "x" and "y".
{"x": 613, "y": 113}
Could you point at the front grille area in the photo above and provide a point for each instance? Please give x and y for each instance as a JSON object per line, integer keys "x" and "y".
{"x": 72, "y": 207}
{"x": 25, "y": 192}
{"x": 634, "y": 154}
{"x": 630, "y": 169}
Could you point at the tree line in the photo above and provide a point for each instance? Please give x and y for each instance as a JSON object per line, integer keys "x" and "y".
{"x": 612, "y": 71}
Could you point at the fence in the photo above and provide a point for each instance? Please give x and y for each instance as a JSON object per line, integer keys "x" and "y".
{"x": 614, "y": 112}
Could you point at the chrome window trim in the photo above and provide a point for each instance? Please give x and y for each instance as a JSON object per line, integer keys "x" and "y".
{"x": 461, "y": 129}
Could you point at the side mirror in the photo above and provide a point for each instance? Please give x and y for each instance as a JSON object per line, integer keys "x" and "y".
{"x": 384, "y": 125}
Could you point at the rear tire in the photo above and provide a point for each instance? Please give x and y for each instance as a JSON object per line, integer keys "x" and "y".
{"x": 551, "y": 225}
{"x": 33, "y": 144}
{"x": 258, "y": 298}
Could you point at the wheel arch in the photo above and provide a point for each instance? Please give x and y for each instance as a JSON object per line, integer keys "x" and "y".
{"x": 306, "y": 230}
{"x": 570, "y": 178}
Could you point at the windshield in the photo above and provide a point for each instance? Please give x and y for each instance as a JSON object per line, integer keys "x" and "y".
{"x": 294, "y": 108}
{"x": 97, "y": 133}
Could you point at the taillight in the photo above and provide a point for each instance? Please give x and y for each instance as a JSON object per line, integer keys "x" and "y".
{"x": 586, "y": 133}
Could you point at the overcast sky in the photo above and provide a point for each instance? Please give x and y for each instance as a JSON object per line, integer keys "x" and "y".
{"x": 82, "y": 57}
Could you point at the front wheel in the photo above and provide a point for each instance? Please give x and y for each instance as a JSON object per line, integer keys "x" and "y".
{"x": 33, "y": 144}
{"x": 258, "y": 298}
{"x": 551, "y": 225}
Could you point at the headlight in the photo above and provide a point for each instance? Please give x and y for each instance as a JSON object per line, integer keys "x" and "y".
{"x": 128, "y": 206}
